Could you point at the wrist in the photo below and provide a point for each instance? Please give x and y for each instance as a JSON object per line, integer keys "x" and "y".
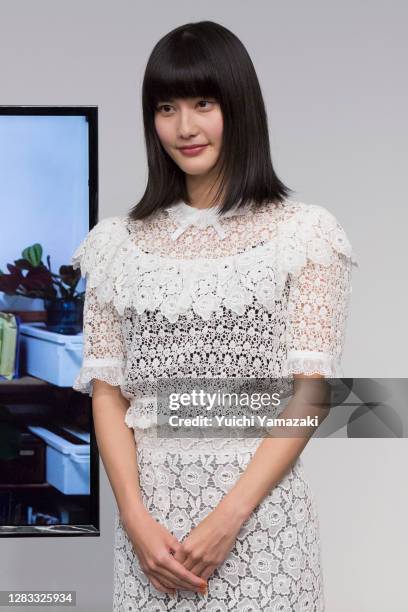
{"x": 132, "y": 511}
{"x": 232, "y": 510}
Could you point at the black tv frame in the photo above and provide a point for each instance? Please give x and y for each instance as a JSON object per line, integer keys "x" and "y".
{"x": 90, "y": 113}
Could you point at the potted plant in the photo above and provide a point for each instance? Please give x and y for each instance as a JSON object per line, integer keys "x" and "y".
{"x": 29, "y": 277}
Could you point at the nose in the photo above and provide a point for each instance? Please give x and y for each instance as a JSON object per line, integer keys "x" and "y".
{"x": 186, "y": 124}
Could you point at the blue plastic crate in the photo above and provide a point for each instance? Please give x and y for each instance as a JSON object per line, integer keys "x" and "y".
{"x": 67, "y": 464}
{"x": 50, "y": 356}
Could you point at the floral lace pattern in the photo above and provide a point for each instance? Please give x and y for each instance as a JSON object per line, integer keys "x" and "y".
{"x": 187, "y": 294}
{"x": 275, "y": 564}
{"x": 123, "y": 273}
{"x": 275, "y": 308}
{"x": 104, "y": 356}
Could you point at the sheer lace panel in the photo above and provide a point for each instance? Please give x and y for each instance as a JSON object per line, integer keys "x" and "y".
{"x": 103, "y": 349}
{"x": 317, "y": 315}
{"x": 154, "y": 234}
{"x": 270, "y": 298}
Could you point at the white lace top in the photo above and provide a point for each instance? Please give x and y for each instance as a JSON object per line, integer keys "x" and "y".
{"x": 259, "y": 292}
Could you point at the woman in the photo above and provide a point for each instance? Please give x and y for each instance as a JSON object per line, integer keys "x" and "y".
{"x": 215, "y": 273}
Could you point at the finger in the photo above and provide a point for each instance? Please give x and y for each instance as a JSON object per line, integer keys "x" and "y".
{"x": 175, "y": 547}
{"x": 164, "y": 574}
{"x": 160, "y": 587}
{"x": 173, "y": 566}
{"x": 180, "y": 556}
{"x": 189, "y": 563}
{"x": 208, "y": 571}
{"x": 164, "y": 580}
{"x": 198, "y": 568}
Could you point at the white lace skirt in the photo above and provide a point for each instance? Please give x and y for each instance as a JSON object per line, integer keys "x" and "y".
{"x": 275, "y": 564}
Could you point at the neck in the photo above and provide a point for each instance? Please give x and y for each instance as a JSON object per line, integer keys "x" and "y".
{"x": 201, "y": 190}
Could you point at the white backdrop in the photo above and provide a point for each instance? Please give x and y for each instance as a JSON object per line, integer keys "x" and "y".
{"x": 333, "y": 80}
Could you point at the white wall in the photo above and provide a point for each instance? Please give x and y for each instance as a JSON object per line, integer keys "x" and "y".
{"x": 332, "y": 75}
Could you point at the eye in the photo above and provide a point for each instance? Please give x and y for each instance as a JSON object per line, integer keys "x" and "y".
{"x": 206, "y": 102}
{"x": 160, "y": 106}
{"x": 165, "y": 107}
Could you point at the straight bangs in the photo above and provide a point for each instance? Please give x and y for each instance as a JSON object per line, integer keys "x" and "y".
{"x": 204, "y": 59}
{"x": 183, "y": 72}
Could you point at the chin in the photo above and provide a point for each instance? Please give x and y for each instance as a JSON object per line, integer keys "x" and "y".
{"x": 197, "y": 173}
{"x": 196, "y": 170}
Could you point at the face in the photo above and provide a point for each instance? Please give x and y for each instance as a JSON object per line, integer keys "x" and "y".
{"x": 183, "y": 122}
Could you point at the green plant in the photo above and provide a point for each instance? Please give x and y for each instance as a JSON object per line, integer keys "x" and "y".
{"x": 29, "y": 277}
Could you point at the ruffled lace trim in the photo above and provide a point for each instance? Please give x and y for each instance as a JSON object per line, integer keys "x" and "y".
{"x": 312, "y": 362}
{"x": 129, "y": 277}
{"x": 142, "y": 412}
{"x": 315, "y": 234}
{"x": 95, "y": 256}
{"x": 109, "y": 371}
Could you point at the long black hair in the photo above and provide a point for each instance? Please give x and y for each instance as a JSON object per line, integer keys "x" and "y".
{"x": 206, "y": 59}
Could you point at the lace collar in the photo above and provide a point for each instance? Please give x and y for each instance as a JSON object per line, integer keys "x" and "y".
{"x": 184, "y": 215}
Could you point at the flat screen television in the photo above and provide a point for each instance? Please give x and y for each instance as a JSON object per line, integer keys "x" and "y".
{"x": 49, "y": 464}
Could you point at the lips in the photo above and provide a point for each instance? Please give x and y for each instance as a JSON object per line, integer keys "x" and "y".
{"x": 192, "y": 150}
{"x": 192, "y": 147}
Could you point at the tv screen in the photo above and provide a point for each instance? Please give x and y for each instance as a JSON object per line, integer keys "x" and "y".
{"x": 48, "y": 202}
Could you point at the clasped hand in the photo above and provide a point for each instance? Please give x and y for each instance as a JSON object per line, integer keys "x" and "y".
{"x": 185, "y": 565}
{"x": 208, "y": 544}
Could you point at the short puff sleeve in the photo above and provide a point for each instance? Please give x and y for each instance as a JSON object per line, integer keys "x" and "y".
{"x": 320, "y": 260}
{"x": 104, "y": 354}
